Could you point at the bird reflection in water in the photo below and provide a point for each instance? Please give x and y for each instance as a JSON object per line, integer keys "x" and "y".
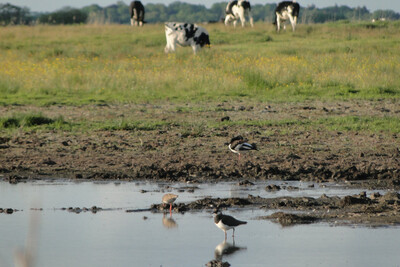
{"x": 226, "y": 248}
{"x": 169, "y": 222}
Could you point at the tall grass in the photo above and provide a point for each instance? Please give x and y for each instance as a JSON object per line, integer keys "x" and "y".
{"x": 73, "y": 65}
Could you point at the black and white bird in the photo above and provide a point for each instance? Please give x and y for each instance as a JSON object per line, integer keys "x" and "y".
{"x": 226, "y": 222}
{"x": 239, "y": 145}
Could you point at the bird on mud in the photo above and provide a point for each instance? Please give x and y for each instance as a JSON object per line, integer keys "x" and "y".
{"x": 169, "y": 199}
{"x": 239, "y": 145}
{"x": 226, "y": 222}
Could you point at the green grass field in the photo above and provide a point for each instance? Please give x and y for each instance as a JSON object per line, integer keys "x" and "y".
{"x": 117, "y": 64}
{"x": 75, "y": 65}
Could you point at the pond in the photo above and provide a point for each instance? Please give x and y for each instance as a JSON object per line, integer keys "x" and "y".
{"x": 114, "y": 237}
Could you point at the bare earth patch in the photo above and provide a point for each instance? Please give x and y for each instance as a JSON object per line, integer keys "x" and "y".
{"x": 192, "y": 146}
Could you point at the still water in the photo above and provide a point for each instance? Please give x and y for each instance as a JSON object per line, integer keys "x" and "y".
{"x": 113, "y": 237}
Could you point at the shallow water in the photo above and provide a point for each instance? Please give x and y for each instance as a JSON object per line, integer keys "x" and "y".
{"x": 114, "y": 237}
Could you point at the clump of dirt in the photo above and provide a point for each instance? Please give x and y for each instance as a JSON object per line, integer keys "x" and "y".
{"x": 205, "y": 203}
{"x": 217, "y": 263}
{"x": 288, "y": 219}
{"x": 7, "y": 210}
{"x": 77, "y": 210}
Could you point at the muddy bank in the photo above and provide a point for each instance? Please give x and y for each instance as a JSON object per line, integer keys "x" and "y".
{"x": 192, "y": 145}
{"x": 374, "y": 210}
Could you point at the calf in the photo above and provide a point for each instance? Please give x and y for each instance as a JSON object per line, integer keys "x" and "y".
{"x": 136, "y": 10}
{"x": 238, "y": 10}
{"x": 185, "y": 34}
{"x": 286, "y": 10}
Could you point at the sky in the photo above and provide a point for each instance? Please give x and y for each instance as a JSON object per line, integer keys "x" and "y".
{"x": 53, "y": 5}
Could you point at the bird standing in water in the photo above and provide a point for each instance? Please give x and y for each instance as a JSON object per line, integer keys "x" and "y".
{"x": 226, "y": 222}
{"x": 239, "y": 145}
{"x": 169, "y": 199}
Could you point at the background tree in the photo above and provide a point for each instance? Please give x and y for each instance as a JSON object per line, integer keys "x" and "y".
{"x": 10, "y": 14}
{"x": 184, "y": 12}
{"x": 65, "y": 16}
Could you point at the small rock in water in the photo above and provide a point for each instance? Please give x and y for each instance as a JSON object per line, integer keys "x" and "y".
{"x": 245, "y": 183}
{"x": 273, "y": 187}
{"x": 217, "y": 263}
{"x": 9, "y": 211}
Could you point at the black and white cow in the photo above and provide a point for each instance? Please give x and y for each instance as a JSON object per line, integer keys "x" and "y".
{"x": 286, "y": 10}
{"x": 136, "y": 10}
{"x": 185, "y": 34}
{"x": 238, "y": 10}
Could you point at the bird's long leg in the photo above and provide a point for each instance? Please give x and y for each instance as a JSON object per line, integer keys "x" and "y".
{"x": 170, "y": 209}
{"x": 233, "y": 235}
{"x": 225, "y": 234}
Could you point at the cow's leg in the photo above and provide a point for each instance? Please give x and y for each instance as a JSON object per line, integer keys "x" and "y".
{"x": 293, "y": 21}
{"x": 241, "y": 16}
{"x": 135, "y": 16}
{"x": 132, "y": 21}
{"x": 250, "y": 18}
{"x": 227, "y": 19}
{"x": 278, "y": 23}
{"x": 172, "y": 45}
{"x": 234, "y": 23}
{"x": 169, "y": 47}
{"x": 195, "y": 48}
{"x": 141, "y": 18}
{"x": 243, "y": 21}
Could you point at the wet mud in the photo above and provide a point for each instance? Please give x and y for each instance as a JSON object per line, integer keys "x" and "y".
{"x": 374, "y": 210}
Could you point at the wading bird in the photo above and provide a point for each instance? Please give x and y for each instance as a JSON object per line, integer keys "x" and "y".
{"x": 226, "y": 222}
{"x": 169, "y": 199}
{"x": 239, "y": 145}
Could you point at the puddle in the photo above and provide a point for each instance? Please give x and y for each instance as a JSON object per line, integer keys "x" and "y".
{"x": 117, "y": 238}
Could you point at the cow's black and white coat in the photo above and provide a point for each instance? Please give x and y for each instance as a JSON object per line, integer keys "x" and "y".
{"x": 238, "y": 10}
{"x": 185, "y": 34}
{"x": 136, "y": 10}
{"x": 286, "y": 10}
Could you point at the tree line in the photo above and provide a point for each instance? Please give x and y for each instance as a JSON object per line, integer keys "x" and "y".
{"x": 180, "y": 11}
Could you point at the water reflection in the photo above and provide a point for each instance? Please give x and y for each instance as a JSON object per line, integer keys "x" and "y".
{"x": 226, "y": 248}
{"x": 25, "y": 256}
{"x": 169, "y": 222}
{"x": 117, "y": 238}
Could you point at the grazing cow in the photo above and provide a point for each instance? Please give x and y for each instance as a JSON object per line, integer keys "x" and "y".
{"x": 136, "y": 10}
{"x": 238, "y": 10}
{"x": 185, "y": 34}
{"x": 286, "y": 10}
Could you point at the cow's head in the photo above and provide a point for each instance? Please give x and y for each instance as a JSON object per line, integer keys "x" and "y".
{"x": 203, "y": 39}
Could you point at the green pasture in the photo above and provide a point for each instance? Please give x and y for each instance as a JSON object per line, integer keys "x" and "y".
{"x": 119, "y": 64}
{"x": 73, "y": 65}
